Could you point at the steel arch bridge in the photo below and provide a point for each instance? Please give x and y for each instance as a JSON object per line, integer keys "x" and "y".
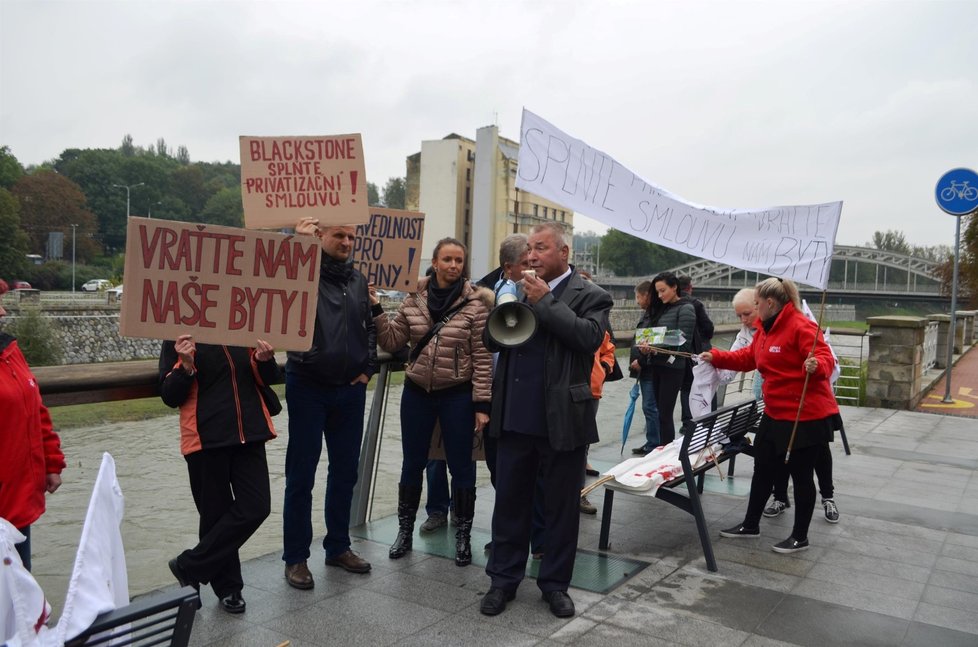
{"x": 863, "y": 270}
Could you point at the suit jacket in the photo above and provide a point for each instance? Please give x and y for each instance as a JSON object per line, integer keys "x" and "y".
{"x": 574, "y": 325}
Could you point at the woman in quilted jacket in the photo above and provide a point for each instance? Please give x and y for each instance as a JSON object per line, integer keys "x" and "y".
{"x": 448, "y": 382}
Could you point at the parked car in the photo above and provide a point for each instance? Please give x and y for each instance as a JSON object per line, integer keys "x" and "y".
{"x": 115, "y": 294}
{"x": 95, "y": 285}
{"x": 19, "y": 285}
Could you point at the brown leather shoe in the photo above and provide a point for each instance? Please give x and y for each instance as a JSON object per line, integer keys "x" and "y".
{"x": 298, "y": 576}
{"x": 349, "y": 561}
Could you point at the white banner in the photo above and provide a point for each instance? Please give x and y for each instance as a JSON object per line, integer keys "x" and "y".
{"x": 794, "y": 242}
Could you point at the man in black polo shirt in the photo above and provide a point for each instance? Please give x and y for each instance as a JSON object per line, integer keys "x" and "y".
{"x": 543, "y": 418}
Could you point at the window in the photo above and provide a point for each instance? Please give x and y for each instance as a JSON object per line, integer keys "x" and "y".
{"x": 468, "y": 195}
{"x": 468, "y": 173}
{"x": 536, "y": 211}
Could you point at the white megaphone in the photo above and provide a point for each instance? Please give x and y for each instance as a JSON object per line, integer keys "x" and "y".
{"x": 511, "y": 323}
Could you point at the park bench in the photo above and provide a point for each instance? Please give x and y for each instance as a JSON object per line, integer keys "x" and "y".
{"x": 727, "y": 426}
{"x": 164, "y": 618}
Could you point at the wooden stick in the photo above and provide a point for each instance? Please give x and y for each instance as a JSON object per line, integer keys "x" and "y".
{"x": 804, "y": 387}
{"x": 677, "y": 353}
{"x": 594, "y": 486}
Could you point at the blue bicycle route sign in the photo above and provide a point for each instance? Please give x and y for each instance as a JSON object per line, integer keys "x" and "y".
{"x": 957, "y": 192}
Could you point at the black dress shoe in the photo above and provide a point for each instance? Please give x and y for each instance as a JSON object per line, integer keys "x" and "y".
{"x": 560, "y": 603}
{"x": 590, "y": 471}
{"x": 233, "y": 603}
{"x": 494, "y": 602}
{"x": 184, "y": 579}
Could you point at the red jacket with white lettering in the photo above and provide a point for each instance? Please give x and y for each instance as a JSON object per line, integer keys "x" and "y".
{"x": 29, "y": 448}
{"x": 780, "y": 356}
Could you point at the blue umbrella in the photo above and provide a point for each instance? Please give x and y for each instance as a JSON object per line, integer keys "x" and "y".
{"x": 629, "y": 413}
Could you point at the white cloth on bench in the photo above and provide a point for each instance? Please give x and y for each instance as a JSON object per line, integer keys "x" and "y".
{"x": 98, "y": 583}
{"x": 23, "y": 608}
{"x": 644, "y": 475}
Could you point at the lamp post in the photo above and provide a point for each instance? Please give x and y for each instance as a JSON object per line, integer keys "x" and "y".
{"x": 149, "y": 210}
{"x": 127, "y": 187}
{"x": 73, "y": 228}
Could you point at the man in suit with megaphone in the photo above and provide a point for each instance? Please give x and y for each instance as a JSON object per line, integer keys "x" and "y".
{"x": 543, "y": 417}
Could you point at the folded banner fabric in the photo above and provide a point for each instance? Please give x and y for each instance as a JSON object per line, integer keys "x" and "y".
{"x": 793, "y": 242}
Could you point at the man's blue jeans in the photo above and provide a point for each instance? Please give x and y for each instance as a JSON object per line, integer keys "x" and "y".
{"x": 439, "y": 499}
{"x": 651, "y": 412}
{"x": 318, "y": 412}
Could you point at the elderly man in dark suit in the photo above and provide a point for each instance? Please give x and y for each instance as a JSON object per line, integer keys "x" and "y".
{"x": 543, "y": 416}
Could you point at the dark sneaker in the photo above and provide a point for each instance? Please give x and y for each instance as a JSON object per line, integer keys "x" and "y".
{"x": 587, "y": 507}
{"x": 640, "y": 451}
{"x": 831, "y": 511}
{"x": 776, "y": 509}
{"x": 740, "y": 531}
{"x": 790, "y": 545}
{"x": 434, "y": 521}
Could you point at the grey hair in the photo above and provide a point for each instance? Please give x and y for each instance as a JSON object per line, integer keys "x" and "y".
{"x": 556, "y": 230}
{"x": 512, "y": 249}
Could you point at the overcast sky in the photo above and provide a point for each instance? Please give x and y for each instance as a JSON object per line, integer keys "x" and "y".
{"x": 731, "y": 104}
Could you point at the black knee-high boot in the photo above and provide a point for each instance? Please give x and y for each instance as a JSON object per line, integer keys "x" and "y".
{"x": 408, "y": 498}
{"x": 464, "y": 503}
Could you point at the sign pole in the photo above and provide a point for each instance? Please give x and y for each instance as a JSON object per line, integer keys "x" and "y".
{"x": 954, "y": 309}
{"x": 956, "y": 194}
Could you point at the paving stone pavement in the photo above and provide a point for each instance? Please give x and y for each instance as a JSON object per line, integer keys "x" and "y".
{"x": 901, "y": 567}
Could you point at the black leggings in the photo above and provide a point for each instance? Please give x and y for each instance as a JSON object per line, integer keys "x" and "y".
{"x": 801, "y": 467}
{"x": 823, "y": 470}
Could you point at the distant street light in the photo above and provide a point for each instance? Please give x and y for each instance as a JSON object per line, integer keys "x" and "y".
{"x": 127, "y": 188}
{"x": 73, "y": 228}
{"x": 149, "y": 211}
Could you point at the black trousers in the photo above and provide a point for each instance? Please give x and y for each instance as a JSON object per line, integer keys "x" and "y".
{"x": 231, "y": 491}
{"x": 823, "y": 470}
{"x": 801, "y": 467}
{"x": 667, "y": 382}
{"x": 520, "y": 459}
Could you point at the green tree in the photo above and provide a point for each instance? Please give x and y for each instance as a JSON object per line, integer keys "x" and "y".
{"x": 394, "y": 193}
{"x": 37, "y": 338}
{"x": 224, "y": 208}
{"x": 14, "y": 245}
{"x": 10, "y": 168}
{"x": 628, "y": 255}
{"x": 373, "y": 195}
{"x": 50, "y": 202}
{"x": 127, "y": 148}
{"x": 890, "y": 241}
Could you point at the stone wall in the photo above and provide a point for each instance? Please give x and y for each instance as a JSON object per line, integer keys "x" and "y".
{"x": 91, "y": 336}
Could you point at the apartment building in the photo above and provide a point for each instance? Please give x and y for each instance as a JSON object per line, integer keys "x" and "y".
{"x": 467, "y": 189}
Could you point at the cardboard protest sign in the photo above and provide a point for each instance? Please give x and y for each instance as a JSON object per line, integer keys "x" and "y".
{"x": 223, "y": 285}
{"x": 793, "y": 242}
{"x": 388, "y": 247}
{"x": 284, "y": 179}
{"x": 436, "y": 451}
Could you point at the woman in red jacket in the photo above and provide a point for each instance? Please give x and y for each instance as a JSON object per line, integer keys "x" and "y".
{"x": 30, "y": 452}
{"x": 782, "y": 351}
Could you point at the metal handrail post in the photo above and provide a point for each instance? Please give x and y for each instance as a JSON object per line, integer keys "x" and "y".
{"x": 369, "y": 450}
